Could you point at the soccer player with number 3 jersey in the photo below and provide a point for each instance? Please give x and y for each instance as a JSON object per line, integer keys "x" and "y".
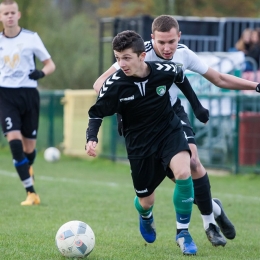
{"x": 19, "y": 97}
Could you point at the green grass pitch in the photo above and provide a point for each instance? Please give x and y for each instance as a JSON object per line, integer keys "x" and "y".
{"x": 100, "y": 193}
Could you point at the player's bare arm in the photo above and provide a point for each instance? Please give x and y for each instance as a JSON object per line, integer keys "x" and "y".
{"x": 49, "y": 67}
{"x": 99, "y": 82}
{"x": 228, "y": 81}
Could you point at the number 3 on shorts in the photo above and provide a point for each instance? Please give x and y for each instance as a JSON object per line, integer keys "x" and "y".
{"x": 9, "y": 123}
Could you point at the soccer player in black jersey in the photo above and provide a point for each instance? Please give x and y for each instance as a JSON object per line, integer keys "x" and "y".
{"x": 19, "y": 97}
{"x": 164, "y": 46}
{"x": 154, "y": 137}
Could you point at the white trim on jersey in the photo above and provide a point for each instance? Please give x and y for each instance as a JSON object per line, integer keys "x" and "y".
{"x": 183, "y": 56}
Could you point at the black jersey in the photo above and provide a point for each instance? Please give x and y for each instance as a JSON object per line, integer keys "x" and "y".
{"x": 144, "y": 104}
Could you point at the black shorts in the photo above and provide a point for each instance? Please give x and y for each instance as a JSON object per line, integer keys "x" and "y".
{"x": 19, "y": 110}
{"x": 149, "y": 172}
{"x": 187, "y": 128}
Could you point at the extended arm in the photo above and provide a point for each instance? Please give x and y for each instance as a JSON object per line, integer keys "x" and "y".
{"x": 228, "y": 81}
{"x": 48, "y": 68}
{"x": 200, "y": 112}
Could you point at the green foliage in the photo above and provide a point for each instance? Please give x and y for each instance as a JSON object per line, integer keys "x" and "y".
{"x": 100, "y": 193}
{"x": 69, "y": 29}
{"x": 74, "y": 50}
{"x": 72, "y": 42}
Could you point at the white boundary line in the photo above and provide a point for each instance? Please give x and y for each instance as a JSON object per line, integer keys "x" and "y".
{"x": 235, "y": 197}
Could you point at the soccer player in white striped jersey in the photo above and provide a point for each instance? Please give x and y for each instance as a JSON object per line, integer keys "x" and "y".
{"x": 164, "y": 45}
{"x": 19, "y": 97}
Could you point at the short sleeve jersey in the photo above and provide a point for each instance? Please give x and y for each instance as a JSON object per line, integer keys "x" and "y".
{"x": 183, "y": 57}
{"x": 144, "y": 105}
{"x": 17, "y": 58}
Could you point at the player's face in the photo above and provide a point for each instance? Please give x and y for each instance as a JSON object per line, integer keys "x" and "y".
{"x": 130, "y": 63}
{"x": 9, "y": 15}
{"x": 165, "y": 43}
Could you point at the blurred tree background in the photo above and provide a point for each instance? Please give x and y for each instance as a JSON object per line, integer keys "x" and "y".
{"x": 70, "y": 28}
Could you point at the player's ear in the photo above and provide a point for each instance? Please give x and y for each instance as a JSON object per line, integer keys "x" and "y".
{"x": 152, "y": 36}
{"x": 142, "y": 56}
{"x": 179, "y": 36}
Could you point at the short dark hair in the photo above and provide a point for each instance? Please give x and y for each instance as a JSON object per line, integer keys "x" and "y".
{"x": 128, "y": 39}
{"x": 164, "y": 23}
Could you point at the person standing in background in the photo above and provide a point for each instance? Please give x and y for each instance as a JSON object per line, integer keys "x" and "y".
{"x": 19, "y": 97}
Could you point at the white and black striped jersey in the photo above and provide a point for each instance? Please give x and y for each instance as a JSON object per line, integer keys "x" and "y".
{"x": 183, "y": 57}
{"x": 17, "y": 58}
{"x": 144, "y": 104}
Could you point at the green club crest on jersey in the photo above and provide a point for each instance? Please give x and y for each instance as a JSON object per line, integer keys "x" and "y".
{"x": 161, "y": 90}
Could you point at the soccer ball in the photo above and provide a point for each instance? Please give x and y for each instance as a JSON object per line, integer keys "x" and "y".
{"x": 52, "y": 154}
{"x": 75, "y": 239}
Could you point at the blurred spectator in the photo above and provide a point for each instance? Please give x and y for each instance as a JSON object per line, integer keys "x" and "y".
{"x": 244, "y": 43}
{"x": 249, "y": 44}
{"x": 254, "y": 49}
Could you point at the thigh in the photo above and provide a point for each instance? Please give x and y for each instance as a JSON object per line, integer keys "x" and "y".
{"x": 30, "y": 118}
{"x": 19, "y": 111}
{"x": 173, "y": 144}
{"x": 10, "y": 112}
{"x": 147, "y": 174}
{"x": 180, "y": 165}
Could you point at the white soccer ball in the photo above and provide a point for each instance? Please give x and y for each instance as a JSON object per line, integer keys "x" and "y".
{"x": 75, "y": 239}
{"x": 52, "y": 154}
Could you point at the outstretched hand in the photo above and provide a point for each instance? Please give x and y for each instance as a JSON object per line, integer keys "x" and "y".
{"x": 90, "y": 148}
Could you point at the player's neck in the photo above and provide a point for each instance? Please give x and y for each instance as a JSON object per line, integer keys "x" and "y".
{"x": 12, "y": 32}
{"x": 144, "y": 71}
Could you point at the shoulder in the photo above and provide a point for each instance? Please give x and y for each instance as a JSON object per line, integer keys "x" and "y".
{"x": 115, "y": 78}
{"x": 162, "y": 66}
{"x": 148, "y": 46}
{"x": 26, "y": 31}
{"x": 112, "y": 83}
{"x": 182, "y": 47}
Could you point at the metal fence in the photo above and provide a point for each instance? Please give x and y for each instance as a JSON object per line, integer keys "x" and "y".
{"x": 208, "y": 34}
{"x": 228, "y": 141}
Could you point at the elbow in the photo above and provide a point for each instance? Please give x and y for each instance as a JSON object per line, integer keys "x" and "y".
{"x": 96, "y": 88}
{"x": 97, "y": 85}
{"x": 53, "y": 67}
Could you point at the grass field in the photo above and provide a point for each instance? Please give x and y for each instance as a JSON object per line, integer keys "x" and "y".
{"x": 100, "y": 193}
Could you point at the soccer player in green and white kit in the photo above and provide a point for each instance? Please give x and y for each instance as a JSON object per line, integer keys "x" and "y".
{"x": 164, "y": 46}
{"x": 155, "y": 142}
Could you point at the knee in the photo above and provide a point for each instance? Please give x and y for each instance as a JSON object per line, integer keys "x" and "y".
{"x": 194, "y": 163}
{"x": 146, "y": 203}
{"x": 182, "y": 174}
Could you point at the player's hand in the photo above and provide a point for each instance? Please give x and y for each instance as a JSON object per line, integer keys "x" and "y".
{"x": 119, "y": 124}
{"x": 90, "y": 148}
{"x": 257, "y": 89}
{"x": 36, "y": 74}
{"x": 202, "y": 114}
